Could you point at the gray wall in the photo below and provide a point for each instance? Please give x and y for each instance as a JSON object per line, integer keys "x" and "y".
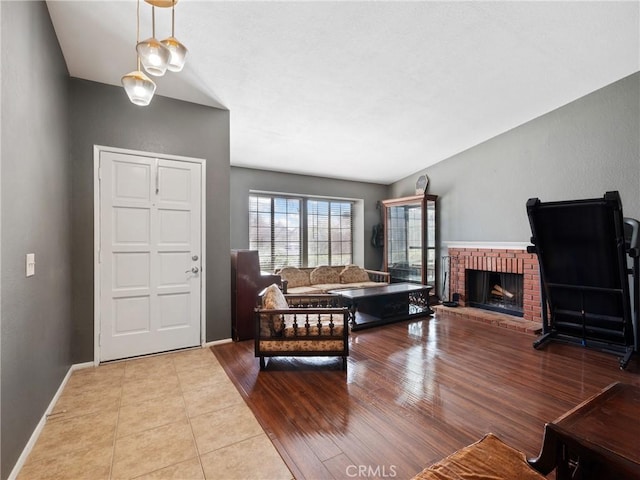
{"x": 36, "y": 326}
{"x": 49, "y": 126}
{"x": 245, "y": 179}
{"x": 1, "y": 115}
{"x": 580, "y": 150}
{"x": 102, "y": 115}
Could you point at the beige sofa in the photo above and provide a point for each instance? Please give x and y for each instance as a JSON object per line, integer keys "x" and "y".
{"x": 322, "y": 279}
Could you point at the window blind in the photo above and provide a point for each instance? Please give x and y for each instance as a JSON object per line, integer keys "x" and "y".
{"x": 298, "y": 231}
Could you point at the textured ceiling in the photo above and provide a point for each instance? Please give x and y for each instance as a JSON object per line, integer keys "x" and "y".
{"x": 370, "y": 91}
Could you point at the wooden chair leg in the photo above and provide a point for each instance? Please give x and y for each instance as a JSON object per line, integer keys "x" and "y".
{"x": 262, "y": 363}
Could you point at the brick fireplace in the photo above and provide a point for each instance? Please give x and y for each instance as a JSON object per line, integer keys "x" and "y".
{"x": 500, "y": 260}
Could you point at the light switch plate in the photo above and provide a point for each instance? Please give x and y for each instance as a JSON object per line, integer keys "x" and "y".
{"x": 31, "y": 264}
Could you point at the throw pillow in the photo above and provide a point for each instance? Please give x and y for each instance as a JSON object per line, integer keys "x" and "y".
{"x": 323, "y": 275}
{"x": 273, "y": 299}
{"x": 353, "y": 274}
{"x": 294, "y": 277}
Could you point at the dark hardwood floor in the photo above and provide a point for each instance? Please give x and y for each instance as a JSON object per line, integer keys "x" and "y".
{"x": 413, "y": 393}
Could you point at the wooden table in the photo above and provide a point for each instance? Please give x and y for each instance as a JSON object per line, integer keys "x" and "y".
{"x": 598, "y": 439}
{"x": 373, "y": 306}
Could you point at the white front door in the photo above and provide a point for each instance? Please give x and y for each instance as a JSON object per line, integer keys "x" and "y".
{"x": 149, "y": 255}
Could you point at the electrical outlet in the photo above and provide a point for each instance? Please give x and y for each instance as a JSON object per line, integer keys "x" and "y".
{"x": 31, "y": 264}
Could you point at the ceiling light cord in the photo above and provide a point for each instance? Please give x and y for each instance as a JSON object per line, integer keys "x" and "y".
{"x": 138, "y": 31}
{"x": 173, "y": 20}
{"x": 153, "y": 21}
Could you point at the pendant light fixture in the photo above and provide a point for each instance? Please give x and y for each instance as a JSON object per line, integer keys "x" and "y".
{"x": 177, "y": 49}
{"x": 156, "y": 57}
{"x": 153, "y": 54}
{"x": 138, "y": 86}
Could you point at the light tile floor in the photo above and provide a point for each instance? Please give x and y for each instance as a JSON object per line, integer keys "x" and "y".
{"x": 172, "y": 416}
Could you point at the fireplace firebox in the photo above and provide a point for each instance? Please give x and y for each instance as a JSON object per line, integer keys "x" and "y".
{"x": 491, "y": 258}
{"x": 495, "y": 291}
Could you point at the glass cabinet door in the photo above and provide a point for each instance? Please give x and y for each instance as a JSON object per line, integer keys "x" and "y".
{"x": 404, "y": 245}
{"x": 410, "y": 243}
{"x": 431, "y": 241}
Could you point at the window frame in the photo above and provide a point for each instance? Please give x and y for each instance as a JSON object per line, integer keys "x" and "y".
{"x": 304, "y": 229}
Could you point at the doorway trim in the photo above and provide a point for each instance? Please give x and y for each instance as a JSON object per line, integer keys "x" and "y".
{"x": 97, "y": 150}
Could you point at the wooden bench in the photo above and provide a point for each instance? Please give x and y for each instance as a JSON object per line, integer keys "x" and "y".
{"x": 300, "y": 325}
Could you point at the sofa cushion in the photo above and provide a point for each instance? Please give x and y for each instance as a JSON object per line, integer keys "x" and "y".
{"x": 273, "y": 299}
{"x": 489, "y": 457}
{"x": 324, "y": 274}
{"x": 294, "y": 277}
{"x": 362, "y": 285}
{"x": 353, "y": 273}
{"x": 328, "y": 287}
{"x": 296, "y": 346}
{"x": 304, "y": 289}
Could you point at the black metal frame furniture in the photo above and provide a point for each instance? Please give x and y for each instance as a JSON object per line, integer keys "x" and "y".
{"x": 583, "y": 249}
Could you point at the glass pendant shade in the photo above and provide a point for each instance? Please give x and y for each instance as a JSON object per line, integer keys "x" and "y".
{"x": 178, "y": 53}
{"x": 139, "y": 87}
{"x": 154, "y": 56}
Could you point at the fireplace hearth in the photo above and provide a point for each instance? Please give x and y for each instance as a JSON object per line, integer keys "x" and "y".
{"x": 495, "y": 291}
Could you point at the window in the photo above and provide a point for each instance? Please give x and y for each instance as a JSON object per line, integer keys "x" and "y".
{"x": 299, "y": 231}
{"x": 274, "y": 230}
{"x": 328, "y": 232}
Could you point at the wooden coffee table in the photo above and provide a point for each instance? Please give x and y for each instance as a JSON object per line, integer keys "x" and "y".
{"x": 598, "y": 439}
{"x": 373, "y": 306}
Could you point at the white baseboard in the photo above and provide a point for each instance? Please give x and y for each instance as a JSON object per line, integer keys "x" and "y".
{"x": 80, "y": 366}
{"x": 217, "y": 342}
{"x": 38, "y": 430}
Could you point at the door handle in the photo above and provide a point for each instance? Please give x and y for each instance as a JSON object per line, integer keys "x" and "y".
{"x": 192, "y": 270}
